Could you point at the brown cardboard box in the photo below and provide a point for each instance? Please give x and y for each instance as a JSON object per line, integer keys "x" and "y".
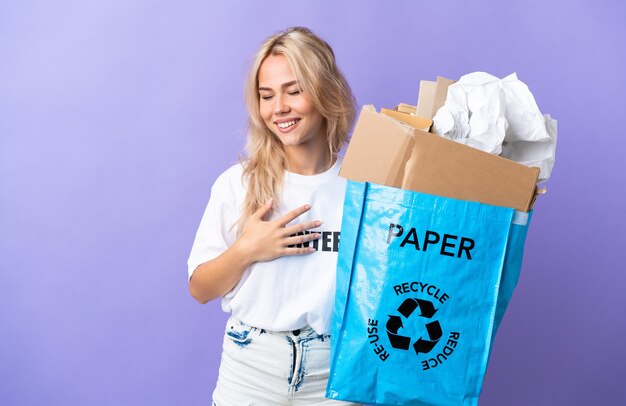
{"x": 391, "y": 152}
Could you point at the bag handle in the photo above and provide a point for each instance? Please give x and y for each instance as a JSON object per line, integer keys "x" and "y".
{"x": 351, "y": 224}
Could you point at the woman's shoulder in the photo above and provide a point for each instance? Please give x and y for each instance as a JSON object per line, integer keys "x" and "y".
{"x": 231, "y": 178}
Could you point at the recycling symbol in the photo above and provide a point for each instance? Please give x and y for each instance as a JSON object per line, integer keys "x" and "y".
{"x": 406, "y": 309}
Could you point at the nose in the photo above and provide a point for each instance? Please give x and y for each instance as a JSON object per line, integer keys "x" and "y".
{"x": 281, "y": 106}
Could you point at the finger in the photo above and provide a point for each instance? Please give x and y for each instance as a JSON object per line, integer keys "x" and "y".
{"x": 297, "y": 251}
{"x": 298, "y": 228}
{"x": 262, "y": 211}
{"x": 300, "y": 239}
{"x": 289, "y": 217}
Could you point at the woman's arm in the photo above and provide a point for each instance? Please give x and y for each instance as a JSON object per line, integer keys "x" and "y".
{"x": 260, "y": 241}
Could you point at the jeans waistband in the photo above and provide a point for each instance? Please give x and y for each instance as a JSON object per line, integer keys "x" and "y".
{"x": 303, "y": 332}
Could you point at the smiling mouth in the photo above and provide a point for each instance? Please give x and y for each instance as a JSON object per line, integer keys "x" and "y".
{"x": 287, "y": 124}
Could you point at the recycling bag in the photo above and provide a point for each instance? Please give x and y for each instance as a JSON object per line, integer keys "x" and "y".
{"x": 422, "y": 284}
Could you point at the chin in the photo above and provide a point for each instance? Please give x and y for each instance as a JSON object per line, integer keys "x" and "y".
{"x": 289, "y": 140}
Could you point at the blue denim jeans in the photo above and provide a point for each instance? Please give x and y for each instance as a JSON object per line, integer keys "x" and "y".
{"x": 261, "y": 367}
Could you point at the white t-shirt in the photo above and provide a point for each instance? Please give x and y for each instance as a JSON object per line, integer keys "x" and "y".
{"x": 289, "y": 292}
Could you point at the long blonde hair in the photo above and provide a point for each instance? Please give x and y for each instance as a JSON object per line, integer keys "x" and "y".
{"x": 313, "y": 63}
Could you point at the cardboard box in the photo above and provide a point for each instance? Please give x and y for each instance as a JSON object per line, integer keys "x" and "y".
{"x": 387, "y": 149}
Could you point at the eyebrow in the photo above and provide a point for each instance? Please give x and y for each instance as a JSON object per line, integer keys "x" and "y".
{"x": 293, "y": 82}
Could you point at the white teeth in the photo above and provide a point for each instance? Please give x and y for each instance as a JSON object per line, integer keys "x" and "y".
{"x": 287, "y": 124}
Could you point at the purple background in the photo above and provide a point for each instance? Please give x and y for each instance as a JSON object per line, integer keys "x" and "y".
{"x": 116, "y": 117}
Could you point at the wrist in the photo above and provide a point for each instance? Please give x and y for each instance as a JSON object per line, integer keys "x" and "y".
{"x": 243, "y": 253}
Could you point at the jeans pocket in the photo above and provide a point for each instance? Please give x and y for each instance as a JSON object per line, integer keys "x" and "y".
{"x": 239, "y": 333}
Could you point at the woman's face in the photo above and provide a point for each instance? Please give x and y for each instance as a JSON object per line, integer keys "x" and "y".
{"x": 284, "y": 107}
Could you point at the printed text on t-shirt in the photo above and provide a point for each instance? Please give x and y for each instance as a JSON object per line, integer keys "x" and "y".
{"x": 329, "y": 241}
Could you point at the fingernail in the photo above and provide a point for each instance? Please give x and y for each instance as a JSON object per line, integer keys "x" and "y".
{"x": 307, "y": 206}
{"x": 319, "y": 223}
{"x": 269, "y": 201}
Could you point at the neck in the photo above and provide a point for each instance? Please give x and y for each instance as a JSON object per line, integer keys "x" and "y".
{"x": 308, "y": 161}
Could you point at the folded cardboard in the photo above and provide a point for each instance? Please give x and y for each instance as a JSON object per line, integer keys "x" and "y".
{"x": 406, "y": 108}
{"x": 391, "y": 151}
{"x": 414, "y": 121}
{"x": 432, "y": 95}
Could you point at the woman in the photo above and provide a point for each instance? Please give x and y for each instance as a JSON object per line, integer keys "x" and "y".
{"x": 267, "y": 243}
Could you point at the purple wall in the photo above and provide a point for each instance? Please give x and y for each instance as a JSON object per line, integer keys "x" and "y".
{"x": 116, "y": 117}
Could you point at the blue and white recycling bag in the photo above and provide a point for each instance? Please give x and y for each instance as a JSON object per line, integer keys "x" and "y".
{"x": 422, "y": 284}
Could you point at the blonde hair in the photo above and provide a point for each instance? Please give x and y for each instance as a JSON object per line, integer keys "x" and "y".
{"x": 313, "y": 63}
